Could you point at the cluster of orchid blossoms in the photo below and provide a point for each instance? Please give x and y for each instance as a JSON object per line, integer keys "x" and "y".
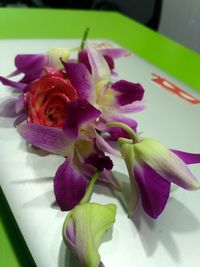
{"x": 75, "y": 108}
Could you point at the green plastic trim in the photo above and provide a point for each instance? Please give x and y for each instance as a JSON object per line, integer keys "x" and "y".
{"x": 175, "y": 59}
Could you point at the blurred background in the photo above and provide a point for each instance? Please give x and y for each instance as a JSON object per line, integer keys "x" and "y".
{"x": 176, "y": 19}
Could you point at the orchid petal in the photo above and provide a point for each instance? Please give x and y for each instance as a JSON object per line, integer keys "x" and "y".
{"x": 188, "y": 158}
{"x": 116, "y": 132}
{"x": 127, "y": 92}
{"x": 105, "y": 146}
{"x": 16, "y": 85}
{"x": 165, "y": 163}
{"x": 55, "y": 54}
{"x": 69, "y": 185}
{"x": 21, "y": 118}
{"x": 100, "y": 162}
{"x": 81, "y": 79}
{"x": 109, "y": 61}
{"x": 83, "y": 58}
{"x": 88, "y": 222}
{"x": 89, "y": 171}
{"x": 128, "y": 153}
{"x": 133, "y": 107}
{"x": 114, "y": 53}
{"x": 82, "y": 112}
{"x": 108, "y": 178}
{"x": 29, "y": 64}
{"x": 154, "y": 190}
{"x": 100, "y": 69}
{"x": 48, "y": 138}
{"x": 7, "y": 108}
{"x": 20, "y": 104}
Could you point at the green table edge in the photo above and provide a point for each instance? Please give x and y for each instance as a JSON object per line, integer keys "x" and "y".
{"x": 175, "y": 59}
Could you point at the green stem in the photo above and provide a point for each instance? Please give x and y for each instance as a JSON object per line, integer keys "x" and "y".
{"x": 84, "y": 38}
{"x": 126, "y": 128}
{"x": 90, "y": 187}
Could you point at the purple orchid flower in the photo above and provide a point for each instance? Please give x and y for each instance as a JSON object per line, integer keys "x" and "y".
{"x": 31, "y": 65}
{"x": 77, "y": 142}
{"x": 109, "y": 54}
{"x": 111, "y": 99}
{"x": 152, "y": 168}
{"x": 13, "y": 108}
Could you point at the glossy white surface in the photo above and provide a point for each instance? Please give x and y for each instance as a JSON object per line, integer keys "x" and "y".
{"x": 26, "y": 178}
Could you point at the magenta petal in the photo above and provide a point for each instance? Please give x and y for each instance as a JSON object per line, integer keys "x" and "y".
{"x": 81, "y": 112}
{"x": 133, "y": 107}
{"x": 188, "y": 158}
{"x": 20, "y": 104}
{"x": 114, "y": 53}
{"x": 116, "y": 132}
{"x": 104, "y": 146}
{"x": 48, "y": 138}
{"x": 16, "y": 85}
{"x": 21, "y": 118}
{"x": 31, "y": 65}
{"x": 109, "y": 179}
{"x": 128, "y": 92}
{"x": 109, "y": 61}
{"x": 154, "y": 190}
{"x": 83, "y": 58}
{"x": 100, "y": 161}
{"x": 69, "y": 186}
{"x": 80, "y": 78}
{"x": 7, "y": 108}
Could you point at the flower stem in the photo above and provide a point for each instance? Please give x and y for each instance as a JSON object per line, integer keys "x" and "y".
{"x": 90, "y": 187}
{"x": 84, "y": 38}
{"x": 126, "y": 128}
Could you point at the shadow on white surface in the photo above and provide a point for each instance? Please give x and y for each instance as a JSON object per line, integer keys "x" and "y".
{"x": 177, "y": 219}
{"x": 67, "y": 258}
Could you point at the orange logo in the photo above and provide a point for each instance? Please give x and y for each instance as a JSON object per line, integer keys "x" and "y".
{"x": 174, "y": 89}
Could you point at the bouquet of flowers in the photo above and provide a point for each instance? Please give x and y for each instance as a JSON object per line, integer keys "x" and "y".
{"x": 76, "y": 108}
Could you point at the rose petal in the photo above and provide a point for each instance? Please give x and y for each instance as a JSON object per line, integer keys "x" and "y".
{"x": 80, "y": 78}
{"x": 188, "y": 158}
{"x": 48, "y": 138}
{"x": 82, "y": 112}
{"x": 154, "y": 190}
{"x": 69, "y": 185}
